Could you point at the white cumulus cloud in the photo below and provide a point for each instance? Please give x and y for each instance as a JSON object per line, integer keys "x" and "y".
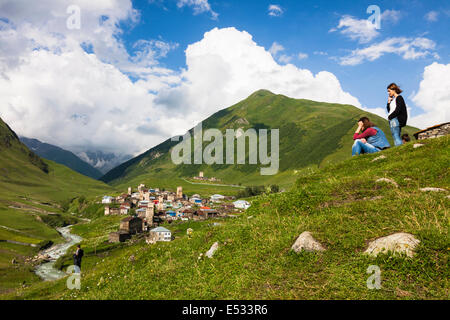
{"x": 432, "y": 16}
{"x": 356, "y": 29}
{"x": 275, "y": 10}
{"x": 407, "y": 48}
{"x": 199, "y": 6}
{"x": 433, "y": 96}
{"x": 54, "y": 90}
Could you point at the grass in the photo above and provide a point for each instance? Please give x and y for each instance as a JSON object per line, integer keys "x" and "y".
{"x": 341, "y": 205}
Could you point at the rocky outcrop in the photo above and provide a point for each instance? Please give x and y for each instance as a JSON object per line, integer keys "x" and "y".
{"x": 387, "y": 181}
{"x": 306, "y": 242}
{"x": 212, "y": 250}
{"x": 379, "y": 158}
{"x": 432, "y": 190}
{"x": 397, "y": 243}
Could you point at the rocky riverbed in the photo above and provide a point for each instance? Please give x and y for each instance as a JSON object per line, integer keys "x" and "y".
{"x": 46, "y": 270}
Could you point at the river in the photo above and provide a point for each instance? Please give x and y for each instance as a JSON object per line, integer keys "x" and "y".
{"x": 47, "y": 270}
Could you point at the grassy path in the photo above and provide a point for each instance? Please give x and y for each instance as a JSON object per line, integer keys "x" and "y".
{"x": 214, "y": 184}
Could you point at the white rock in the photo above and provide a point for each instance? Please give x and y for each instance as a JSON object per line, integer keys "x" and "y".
{"x": 432, "y": 189}
{"x": 388, "y": 181}
{"x": 212, "y": 250}
{"x": 306, "y": 242}
{"x": 417, "y": 145}
{"x": 396, "y": 243}
{"x": 379, "y": 158}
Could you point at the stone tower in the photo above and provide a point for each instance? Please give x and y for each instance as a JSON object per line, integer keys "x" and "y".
{"x": 179, "y": 192}
{"x": 149, "y": 213}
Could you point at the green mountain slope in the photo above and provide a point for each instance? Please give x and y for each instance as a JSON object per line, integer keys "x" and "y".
{"x": 61, "y": 156}
{"x": 312, "y": 134}
{"x": 343, "y": 207}
{"x": 32, "y": 191}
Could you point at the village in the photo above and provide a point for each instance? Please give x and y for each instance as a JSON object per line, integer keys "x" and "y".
{"x": 148, "y": 208}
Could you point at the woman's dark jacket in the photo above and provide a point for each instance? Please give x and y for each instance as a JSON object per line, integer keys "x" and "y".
{"x": 400, "y": 112}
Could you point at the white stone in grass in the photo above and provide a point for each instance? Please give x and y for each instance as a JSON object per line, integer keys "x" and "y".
{"x": 388, "y": 181}
{"x": 417, "y": 145}
{"x": 397, "y": 243}
{"x": 379, "y": 158}
{"x": 306, "y": 242}
{"x": 432, "y": 190}
{"x": 212, "y": 250}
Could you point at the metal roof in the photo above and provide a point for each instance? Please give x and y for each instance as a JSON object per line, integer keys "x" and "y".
{"x": 160, "y": 229}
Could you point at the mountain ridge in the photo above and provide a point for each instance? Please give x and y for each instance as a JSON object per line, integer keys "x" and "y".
{"x": 61, "y": 156}
{"x": 311, "y": 134}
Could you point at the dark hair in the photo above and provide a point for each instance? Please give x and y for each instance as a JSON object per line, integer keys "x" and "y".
{"x": 395, "y": 87}
{"x": 406, "y": 137}
{"x": 366, "y": 123}
{"x": 78, "y": 246}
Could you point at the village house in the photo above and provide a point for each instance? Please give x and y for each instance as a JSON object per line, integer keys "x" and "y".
{"x": 122, "y": 198}
{"x": 241, "y": 204}
{"x": 436, "y": 131}
{"x": 207, "y": 212}
{"x": 119, "y": 236}
{"x": 159, "y": 234}
{"x": 111, "y": 211}
{"x": 132, "y": 225}
{"x": 107, "y": 200}
{"x": 217, "y": 197}
{"x": 141, "y": 213}
{"x": 196, "y": 199}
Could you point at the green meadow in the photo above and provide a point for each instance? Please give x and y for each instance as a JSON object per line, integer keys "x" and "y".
{"x": 341, "y": 204}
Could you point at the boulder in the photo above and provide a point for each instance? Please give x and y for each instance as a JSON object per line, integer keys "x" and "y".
{"x": 432, "y": 190}
{"x": 212, "y": 250}
{"x": 388, "y": 181}
{"x": 306, "y": 242}
{"x": 396, "y": 243}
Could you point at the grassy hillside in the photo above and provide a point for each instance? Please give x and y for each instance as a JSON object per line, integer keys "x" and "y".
{"x": 61, "y": 156}
{"x": 341, "y": 205}
{"x": 32, "y": 194}
{"x": 312, "y": 134}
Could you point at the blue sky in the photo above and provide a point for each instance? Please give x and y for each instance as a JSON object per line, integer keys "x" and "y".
{"x": 304, "y": 27}
{"x": 122, "y": 76}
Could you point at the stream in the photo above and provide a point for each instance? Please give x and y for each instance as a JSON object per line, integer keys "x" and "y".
{"x": 46, "y": 270}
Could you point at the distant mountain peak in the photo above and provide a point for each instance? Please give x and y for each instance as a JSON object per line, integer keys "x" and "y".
{"x": 61, "y": 156}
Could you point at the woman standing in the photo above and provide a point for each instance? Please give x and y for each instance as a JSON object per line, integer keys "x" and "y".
{"x": 398, "y": 115}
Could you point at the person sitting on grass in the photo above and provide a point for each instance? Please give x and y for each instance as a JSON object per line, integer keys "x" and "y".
{"x": 406, "y": 138}
{"x": 368, "y": 138}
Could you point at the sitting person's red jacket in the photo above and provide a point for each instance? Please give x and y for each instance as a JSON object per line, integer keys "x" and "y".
{"x": 367, "y": 133}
